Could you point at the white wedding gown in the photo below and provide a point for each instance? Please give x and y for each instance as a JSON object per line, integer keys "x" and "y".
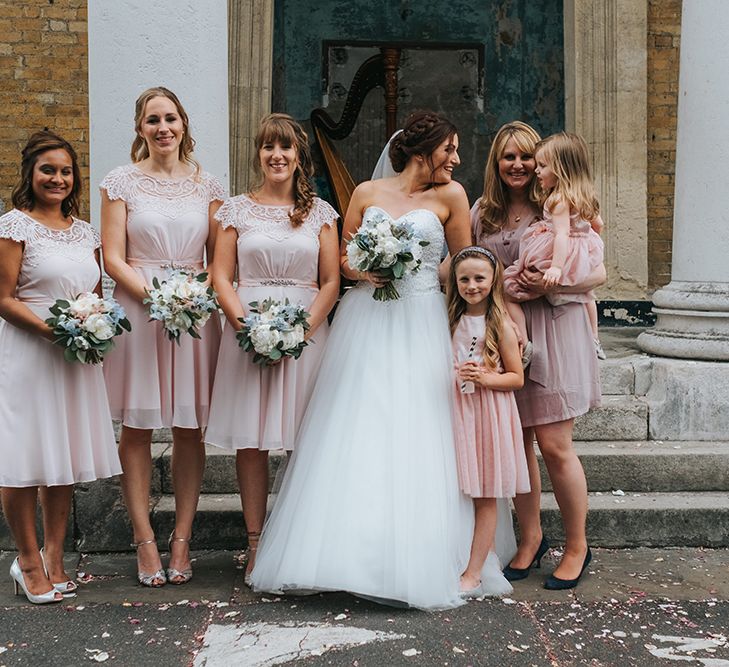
{"x": 370, "y": 502}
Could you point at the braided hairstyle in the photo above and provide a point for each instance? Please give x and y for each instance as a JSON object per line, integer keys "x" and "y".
{"x": 283, "y": 129}
{"x": 422, "y": 133}
{"x": 39, "y": 143}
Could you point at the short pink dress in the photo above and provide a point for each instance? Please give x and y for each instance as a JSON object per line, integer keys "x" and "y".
{"x": 152, "y": 381}
{"x": 255, "y": 406}
{"x": 55, "y": 426}
{"x": 585, "y": 253}
{"x": 489, "y": 439}
{"x": 563, "y": 379}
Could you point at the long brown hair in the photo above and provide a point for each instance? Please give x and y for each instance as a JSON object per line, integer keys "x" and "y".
{"x": 39, "y": 143}
{"x": 567, "y": 156}
{"x": 421, "y": 134}
{"x": 494, "y": 202}
{"x": 495, "y": 308}
{"x": 283, "y": 129}
{"x": 140, "y": 150}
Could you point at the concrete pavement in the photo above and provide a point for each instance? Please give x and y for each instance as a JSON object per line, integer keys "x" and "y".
{"x": 634, "y": 607}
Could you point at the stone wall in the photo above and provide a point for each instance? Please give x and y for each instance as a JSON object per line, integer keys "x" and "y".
{"x": 43, "y": 59}
{"x": 664, "y": 34}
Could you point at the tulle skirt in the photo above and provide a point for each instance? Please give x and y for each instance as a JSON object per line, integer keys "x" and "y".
{"x": 370, "y": 503}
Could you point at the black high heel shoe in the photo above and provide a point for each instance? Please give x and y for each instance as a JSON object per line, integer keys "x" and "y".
{"x": 517, "y": 573}
{"x": 553, "y": 583}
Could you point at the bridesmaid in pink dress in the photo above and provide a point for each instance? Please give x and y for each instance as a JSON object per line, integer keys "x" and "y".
{"x": 281, "y": 241}
{"x": 488, "y": 435}
{"x": 157, "y": 213}
{"x": 55, "y": 426}
{"x": 562, "y": 381}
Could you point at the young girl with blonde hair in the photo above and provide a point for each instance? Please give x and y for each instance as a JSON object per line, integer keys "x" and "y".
{"x": 489, "y": 441}
{"x": 566, "y": 246}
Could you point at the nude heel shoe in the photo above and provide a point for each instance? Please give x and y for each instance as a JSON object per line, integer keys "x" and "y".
{"x": 150, "y": 579}
{"x": 16, "y": 574}
{"x": 185, "y": 575}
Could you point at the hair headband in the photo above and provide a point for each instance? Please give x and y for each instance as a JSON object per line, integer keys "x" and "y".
{"x": 477, "y": 249}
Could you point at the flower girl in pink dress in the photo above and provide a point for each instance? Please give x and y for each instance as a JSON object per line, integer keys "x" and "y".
{"x": 566, "y": 245}
{"x": 489, "y": 441}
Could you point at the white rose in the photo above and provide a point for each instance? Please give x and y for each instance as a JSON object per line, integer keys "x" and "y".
{"x": 390, "y": 246}
{"x": 355, "y": 255}
{"x": 185, "y": 290}
{"x": 99, "y": 326}
{"x": 383, "y": 229}
{"x": 264, "y": 339}
{"x": 84, "y": 305}
{"x": 291, "y": 339}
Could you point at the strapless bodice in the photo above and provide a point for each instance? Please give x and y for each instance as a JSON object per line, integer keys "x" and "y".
{"x": 429, "y": 228}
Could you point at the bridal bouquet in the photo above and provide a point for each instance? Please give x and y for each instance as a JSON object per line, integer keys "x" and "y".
{"x": 182, "y": 302}
{"x": 273, "y": 330}
{"x": 85, "y": 326}
{"x": 390, "y": 248}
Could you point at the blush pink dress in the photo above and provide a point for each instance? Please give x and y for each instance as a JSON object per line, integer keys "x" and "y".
{"x": 255, "y": 406}
{"x": 563, "y": 379}
{"x": 55, "y": 426}
{"x": 489, "y": 439}
{"x": 584, "y": 254}
{"x": 152, "y": 381}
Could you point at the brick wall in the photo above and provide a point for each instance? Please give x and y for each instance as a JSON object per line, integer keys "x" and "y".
{"x": 44, "y": 70}
{"x": 664, "y": 33}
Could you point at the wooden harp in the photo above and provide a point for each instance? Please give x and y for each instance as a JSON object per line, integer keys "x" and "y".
{"x": 378, "y": 71}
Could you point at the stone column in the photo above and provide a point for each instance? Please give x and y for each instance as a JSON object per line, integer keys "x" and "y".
{"x": 693, "y": 309}
{"x": 605, "y": 53}
{"x": 250, "y": 64}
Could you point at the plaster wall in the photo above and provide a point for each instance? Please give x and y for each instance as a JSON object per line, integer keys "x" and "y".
{"x": 134, "y": 45}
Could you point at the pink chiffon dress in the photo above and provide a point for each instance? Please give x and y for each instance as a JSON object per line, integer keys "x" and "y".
{"x": 152, "y": 381}
{"x": 489, "y": 439}
{"x": 563, "y": 379}
{"x": 585, "y": 253}
{"x": 55, "y": 426}
{"x": 255, "y": 406}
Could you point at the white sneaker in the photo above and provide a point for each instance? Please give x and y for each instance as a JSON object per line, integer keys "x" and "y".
{"x": 598, "y": 349}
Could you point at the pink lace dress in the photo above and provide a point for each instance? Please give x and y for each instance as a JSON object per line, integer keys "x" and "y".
{"x": 489, "y": 439}
{"x": 255, "y": 406}
{"x": 55, "y": 426}
{"x": 152, "y": 381}
{"x": 585, "y": 253}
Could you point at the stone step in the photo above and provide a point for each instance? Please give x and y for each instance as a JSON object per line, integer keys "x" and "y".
{"x": 619, "y": 418}
{"x": 627, "y": 465}
{"x": 645, "y": 519}
{"x": 651, "y": 466}
{"x": 648, "y": 519}
{"x": 629, "y": 375}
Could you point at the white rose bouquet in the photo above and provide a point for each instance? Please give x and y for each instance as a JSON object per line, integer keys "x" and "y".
{"x": 182, "y": 302}
{"x": 273, "y": 330}
{"x": 85, "y": 326}
{"x": 390, "y": 248}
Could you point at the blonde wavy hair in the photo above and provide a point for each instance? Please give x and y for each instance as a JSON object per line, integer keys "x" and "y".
{"x": 494, "y": 202}
{"x": 140, "y": 150}
{"x": 283, "y": 129}
{"x": 566, "y": 155}
{"x": 495, "y": 309}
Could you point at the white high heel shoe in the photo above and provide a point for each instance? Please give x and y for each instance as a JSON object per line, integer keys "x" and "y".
{"x": 16, "y": 574}
{"x": 66, "y": 588}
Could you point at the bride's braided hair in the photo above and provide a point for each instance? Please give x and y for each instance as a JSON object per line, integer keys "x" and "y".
{"x": 282, "y": 128}
{"x": 422, "y": 133}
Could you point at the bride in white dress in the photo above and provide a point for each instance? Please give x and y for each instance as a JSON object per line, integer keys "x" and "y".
{"x": 370, "y": 503}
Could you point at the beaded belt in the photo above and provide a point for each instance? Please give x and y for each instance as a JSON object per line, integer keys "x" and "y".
{"x": 172, "y": 264}
{"x": 276, "y": 282}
